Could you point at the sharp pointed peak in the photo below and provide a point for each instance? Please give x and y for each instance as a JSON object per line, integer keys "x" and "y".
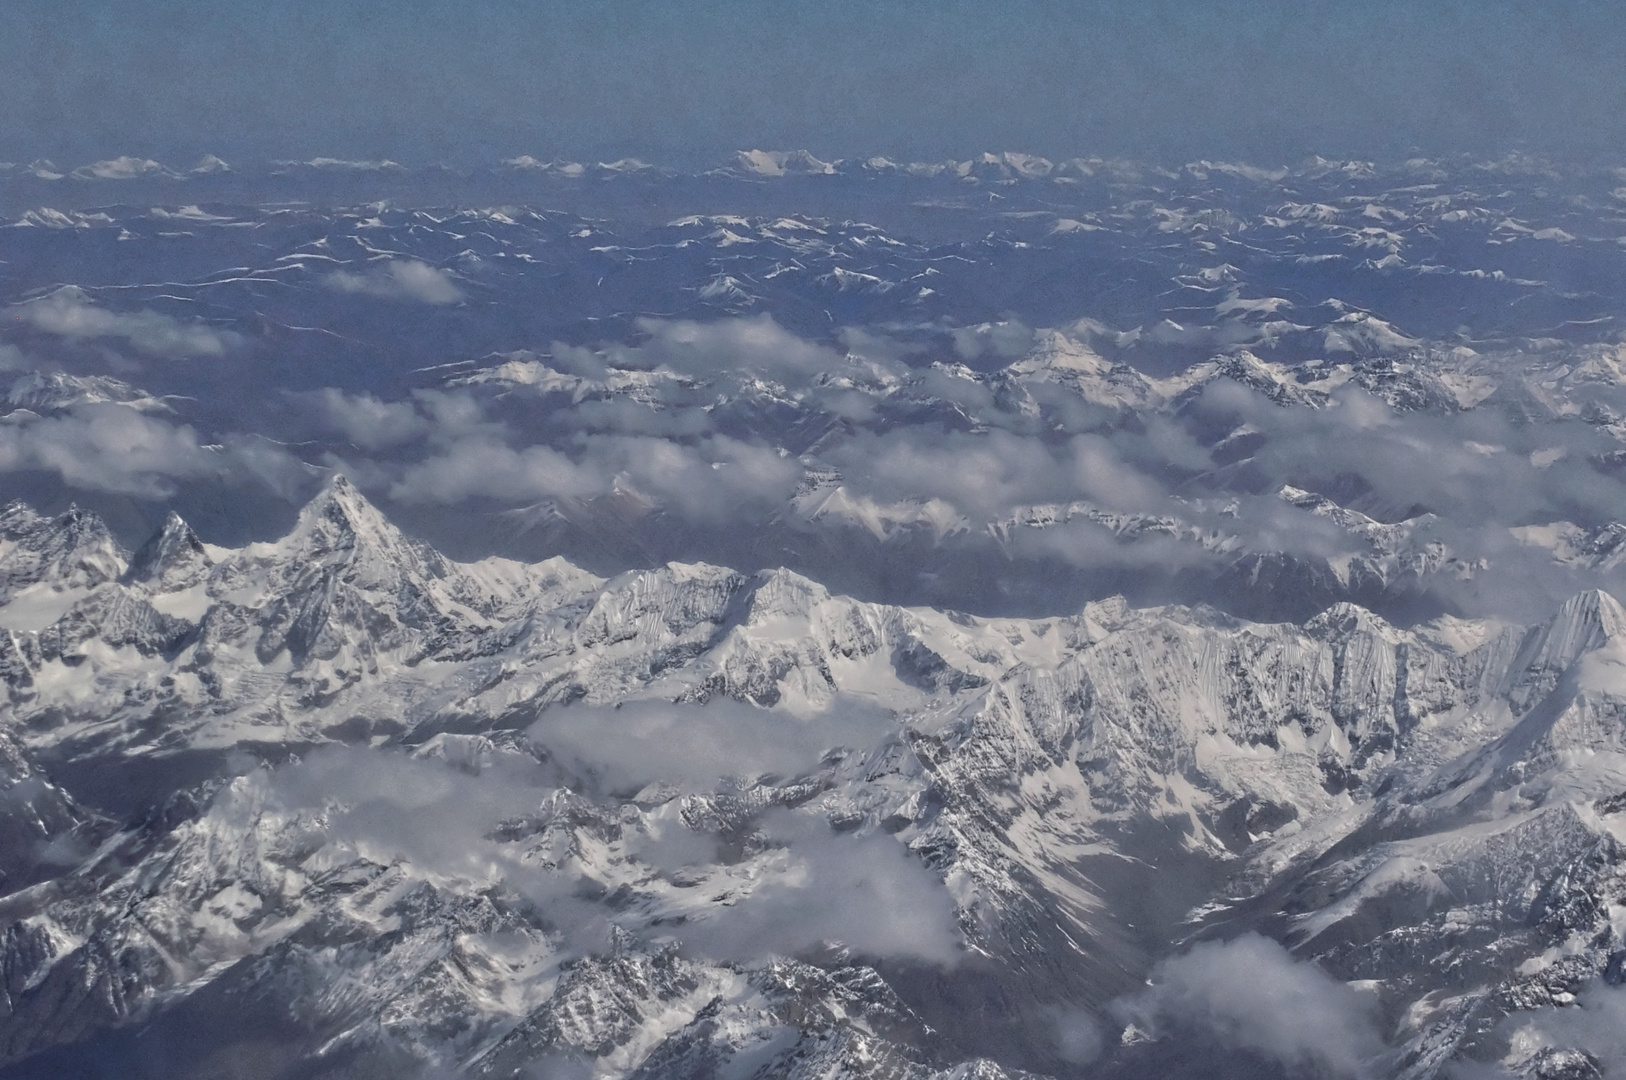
{"x": 1345, "y": 618}
{"x": 174, "y": 526}
{"x": 338, "y": 486}
{"x": 340, "y": 510}
{"x": 1584, "y": 623}
{"x": 339, "y": 494}
{"x": 1602, "y": 598}
{"x": 1592, "y": 609}
{"x": 173, "y": 556}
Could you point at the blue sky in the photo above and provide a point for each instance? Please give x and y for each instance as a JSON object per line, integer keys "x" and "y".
{"x": 685, "y": 82}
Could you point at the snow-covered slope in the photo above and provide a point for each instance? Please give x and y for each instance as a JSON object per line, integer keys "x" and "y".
{"x": 495, "y": 818}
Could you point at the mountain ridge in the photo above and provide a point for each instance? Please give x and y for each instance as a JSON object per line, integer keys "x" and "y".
{"x": 1024, "y": 766}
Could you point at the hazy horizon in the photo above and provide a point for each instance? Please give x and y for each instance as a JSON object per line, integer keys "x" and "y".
{"x": 1267, "y": 81}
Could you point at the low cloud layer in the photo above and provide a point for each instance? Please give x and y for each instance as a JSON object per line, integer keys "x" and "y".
{"x": 1591, "y": 1033}
{"x": 68, "y": 312}
{"x": 816, "y": 887}
{"x": 639, "y": 743}
{"x": 398, "y": 279}
{"x": 461, "y": 812}
{"x": 681, "y": 416}
{"x": 369, "y": 423}
{"x": 114, "y": 448}
{"x": 740, "y": 431}
{"x": 1251, "y": 994}
{"x": 714, "y": 478}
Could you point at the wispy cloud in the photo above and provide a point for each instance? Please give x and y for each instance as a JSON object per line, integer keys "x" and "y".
{"x": 398, "y": 279}
{"x": 1590, "y": 1034}
{"x": 366, "y": 421}
{"x": 68, "y": 312}
{"x": 802, "y": 886}
{"x": 715, "y": 477}
{"x": 115, "y": 448}
{"x": 1251, "y": 994}
{"x": 815, "y": 886}
{"x": 639, "y": 743}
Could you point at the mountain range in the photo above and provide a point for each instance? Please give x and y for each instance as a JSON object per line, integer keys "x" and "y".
{"x": 392, "y": 812}
{"x": 1000, "y": 618}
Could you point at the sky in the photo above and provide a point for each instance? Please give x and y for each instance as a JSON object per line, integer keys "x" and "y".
{"x": 685, "y": 83}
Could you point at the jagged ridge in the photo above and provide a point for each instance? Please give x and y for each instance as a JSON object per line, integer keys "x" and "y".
{"x": 1327, "y": 770}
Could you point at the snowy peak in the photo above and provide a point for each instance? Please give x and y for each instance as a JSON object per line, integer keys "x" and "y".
{"x": 173, "y": 559}
{"x": 209, "y": 164}
{"x": 1569, "y": 683}
{"x": 783, "y": 163}
{"x": 52, "y": 391}
{"x": 342, "y": 590}
{"x": 1584, "y": 624}
{"x": 339, "y": 525}
{"x": 1586, "y": 621}
{"x": 73, "y": 550}
{"x": 341, "y": 503}
{"x": 1345, "y": 620}
{"x": 784, "y": 593}
{"x": 345, "y": 595}
{"x": 124, "y": 168}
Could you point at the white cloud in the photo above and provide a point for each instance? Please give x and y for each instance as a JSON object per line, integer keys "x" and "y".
{"x": 804, "y": 886}
{"x": 988, "y": 474}
{"x": 1251, "y": 994}
{"x": 364, "y": 420}
{"x": 398, "y": 279}
{"x": 69, "y": 313}
{"x": 1105, "y": 478}
{"x": 812, "y": 885}
{"x": 716, "y": 478}
{"x": 638, "y": 743}
{"x": 815, "y": 886}
{"x": 387, "y": 806}
{"x": 108, "y": 447}
{"x": 623, "y": 416}
{"x": 1006, "y": 340}
{"x": 1596, "y": 1024}
{"x": 753, "y": 343}
{"x": 650, "y": 418}
{"x": 486, "y": 468}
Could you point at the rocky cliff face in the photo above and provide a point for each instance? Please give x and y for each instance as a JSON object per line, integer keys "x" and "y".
{"x": 339, "y": 806}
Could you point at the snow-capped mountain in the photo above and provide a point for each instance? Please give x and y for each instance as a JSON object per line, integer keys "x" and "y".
{"x": 397, "y": 812}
